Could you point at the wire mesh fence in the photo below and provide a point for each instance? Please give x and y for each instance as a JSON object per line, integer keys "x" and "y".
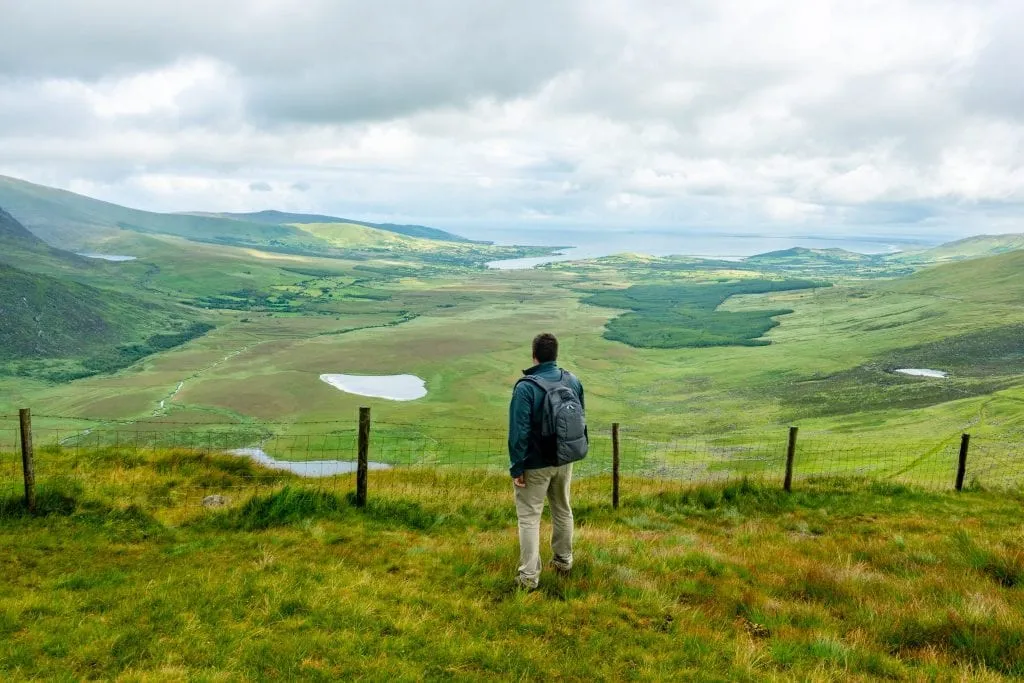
{"x": 214, "y": 465}
{"x": 10, "y": 458}
{"x": 996, "y": 464}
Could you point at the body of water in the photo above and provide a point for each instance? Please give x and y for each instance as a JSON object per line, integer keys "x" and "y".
{"x": 109, "y": 257}
{"x": 391, "y": 387}
{"x": 309, "y": 468}
{"x": 922, "y": 372}
{"x": 589, "y": 244}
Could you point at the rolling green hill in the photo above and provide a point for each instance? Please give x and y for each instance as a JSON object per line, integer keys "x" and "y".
{"x": 813, "y": 256}
{"x": 19, "y": 247}
{"x": 841, "y": 262}
{"x": 971, "y": 247}
{"x": 998, "y": 278}
{"x": 284, "y": 218}
{"x": 56, "y": 329}
{"x": 13, "y": 232}
{"x": 828, "y": 262}
{"x": 82, "y": 223}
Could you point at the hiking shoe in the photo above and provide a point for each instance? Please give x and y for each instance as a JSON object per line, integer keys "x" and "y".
{"x": 561, "y": 569}
{"x": 524, "y": 585}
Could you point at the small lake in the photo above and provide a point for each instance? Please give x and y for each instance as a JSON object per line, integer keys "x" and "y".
{"x": 391, "y": 387}
{"x": 533, "y": 261}
{"x": 109, "y": 257}
{"x": 922, "y": 372}
{"x": 309, "y": 468}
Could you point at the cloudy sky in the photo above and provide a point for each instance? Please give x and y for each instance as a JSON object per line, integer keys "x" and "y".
{"x": 787, "y": 116}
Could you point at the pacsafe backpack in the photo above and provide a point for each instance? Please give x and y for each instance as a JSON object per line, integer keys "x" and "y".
{"x": 563, "y": 418}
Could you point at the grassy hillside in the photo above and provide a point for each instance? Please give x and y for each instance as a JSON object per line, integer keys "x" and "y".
{"x": 971, "y": 247}
{"x": 992, "y": 279}
{"x": 60, "y": 330}
{"x": 742, "y": 582}
{"x": 20, "y": 247}
{"x": 354, "y": 236}
{"x": 832, "y": 262}
{"x": 374, "y": 242}
{"x": 284, "y": 218}
{"x": 80, "y": 223}
{"x": 11, "y": 231}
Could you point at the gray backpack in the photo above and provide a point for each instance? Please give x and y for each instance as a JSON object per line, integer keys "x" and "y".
{"x": 563, "y": 418}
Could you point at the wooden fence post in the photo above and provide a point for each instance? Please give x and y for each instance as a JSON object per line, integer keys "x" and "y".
{"x": 28, "y": 465}
{"x": 615, "y": 465}
{"x": 961, "y": 467}
{"x": 364, "y": 450}
{"x": 787, "y": 484}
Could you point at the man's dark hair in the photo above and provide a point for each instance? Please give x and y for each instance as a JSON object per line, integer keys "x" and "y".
{"x": 545, "y": 348}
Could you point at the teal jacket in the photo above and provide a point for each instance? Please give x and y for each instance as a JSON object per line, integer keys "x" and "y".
{"x": 526, "y": 449}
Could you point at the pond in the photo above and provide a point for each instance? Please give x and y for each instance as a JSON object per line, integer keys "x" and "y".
{"x": 391, "y": 387}
{"x": 533, "y": 261}
{"x": 922, "y": 372}
{"x": 109, "y": 257}
{"x": 309, "y": 468}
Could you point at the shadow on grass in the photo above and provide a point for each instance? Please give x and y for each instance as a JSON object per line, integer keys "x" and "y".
{"x": 1004, "y": 566}
{"x": 293, "y": 504}
{"x": 838, "y": 494}
{"x": 57, "y": 497}
{"x": 998, "y": 646}
{"x": 63, "y": 498}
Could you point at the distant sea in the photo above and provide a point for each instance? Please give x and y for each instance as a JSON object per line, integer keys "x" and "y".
{"x": 588, "y": 244}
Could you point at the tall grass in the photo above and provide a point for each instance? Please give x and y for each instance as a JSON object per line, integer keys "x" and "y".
{"x": 128, "y": 576}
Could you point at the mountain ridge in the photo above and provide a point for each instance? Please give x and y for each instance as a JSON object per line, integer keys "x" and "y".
{"x": 277, "y": 217}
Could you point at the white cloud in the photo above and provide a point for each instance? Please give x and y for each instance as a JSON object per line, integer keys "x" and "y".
{"x": 816, "y": 114}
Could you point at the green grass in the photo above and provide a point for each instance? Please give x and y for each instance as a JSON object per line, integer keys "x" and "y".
{"x": 979, "y": 363}
{"x": 62, "y": 330}
{"x": 125, "y": 575}
{"x": 467, "y": 331}
{"x": 282, "y": 218}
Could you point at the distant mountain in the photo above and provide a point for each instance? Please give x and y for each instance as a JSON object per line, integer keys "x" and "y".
{"x": 284, "y": 218}
{"x": 808, "y": 256}
{"x": 13, "y": 231}
{"x": 20, "y": 247}
{"x": 827, "y": 262}
{"x": 81, "y": 223}
{"x": 841, "y": 261}
{"x": 971, "y": 247}
{"x": 998, "y": 278}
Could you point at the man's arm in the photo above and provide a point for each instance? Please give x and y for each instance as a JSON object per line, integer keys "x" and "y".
{"x": 519, "y": 414}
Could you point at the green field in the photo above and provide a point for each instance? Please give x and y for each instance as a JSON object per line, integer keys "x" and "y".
{"x": 720, "y": 353}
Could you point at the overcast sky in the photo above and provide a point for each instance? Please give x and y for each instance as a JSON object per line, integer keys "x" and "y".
{"x": 787, "y": 116}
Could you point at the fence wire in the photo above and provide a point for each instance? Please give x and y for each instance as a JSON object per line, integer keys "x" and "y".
{"x": 216, "y": 465}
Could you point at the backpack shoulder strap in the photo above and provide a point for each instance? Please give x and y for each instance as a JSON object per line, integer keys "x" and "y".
{"x": 544, "y": 384}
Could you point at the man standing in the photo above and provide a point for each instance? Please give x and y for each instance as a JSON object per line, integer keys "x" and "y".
{"x": 546, "y": 433}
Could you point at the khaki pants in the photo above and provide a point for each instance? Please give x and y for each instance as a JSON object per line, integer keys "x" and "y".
{"x": 551, "y": 483}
